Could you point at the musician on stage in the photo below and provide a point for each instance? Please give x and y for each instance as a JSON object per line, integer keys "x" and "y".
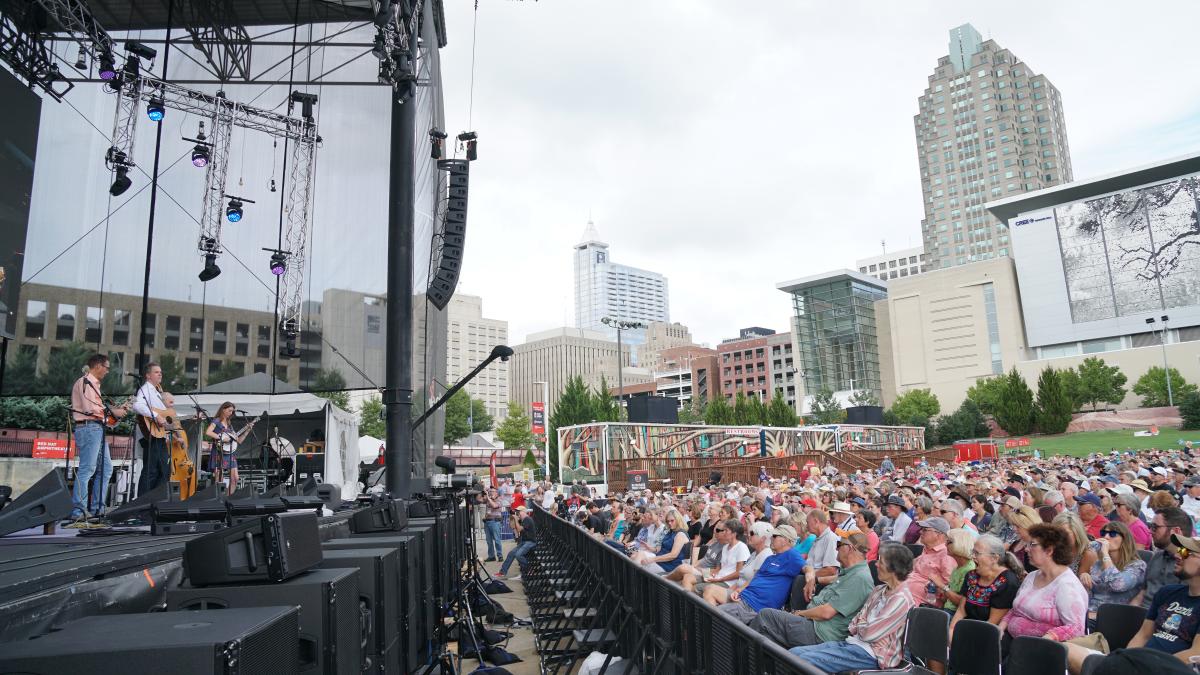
{"x": 88, "y": 413}
{"x": 224, "y": 458}
{"x": 156, "y": 468}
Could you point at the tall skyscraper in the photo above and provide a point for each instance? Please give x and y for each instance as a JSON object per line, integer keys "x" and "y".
{"x": 988, "y": 128}
{"x": 605, "y": 289}
{"x": 469, "y": 339}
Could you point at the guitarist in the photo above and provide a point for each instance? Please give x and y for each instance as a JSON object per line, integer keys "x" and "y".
{"x": 224, "y": 444}
{"x": 88, "y": 412}
{"x": 156, "y": 467}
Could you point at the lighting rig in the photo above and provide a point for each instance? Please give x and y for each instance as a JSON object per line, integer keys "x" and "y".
{"x": 397, "y": 23}
{"x": 295, "y": 234}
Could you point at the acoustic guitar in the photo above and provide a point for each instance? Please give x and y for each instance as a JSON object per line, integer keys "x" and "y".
{"x": 111, "y": 420}
{"x": 170, "y": 423}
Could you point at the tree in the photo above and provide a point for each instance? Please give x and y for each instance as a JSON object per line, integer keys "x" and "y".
{"x": 779, "y": 413}
{"x": 45, "y": 413}
{"x": 916, "y": 404}
{"x": 20, "y": 374}
{"x": 66, "y": 364}
{"x": 1015, "y": 412}
{"x": 718, "y": 412}
{"x": 825, "y": 408}
{"x": 229, "y": 370}
{"x": 329, "y": 383}
{"x": 986, "y": 394}
{"x": 575, "y": 406}
{"x": 1100, "y": 382}
{"x": 863, "y": 397}
{"x": 1189, "y": 410}
{"x": 1054, "y": 404}
{"x": 692, "y": 412}
{"x": 966, "y": 422}
{"x": 481, "y": 419}
{"x": 1073, "y": 385}
{"x": 757, "y": 412}
{"x": 457, "y": 410}
{"x": 175, "y": 379}
{"x": 606, "y": 407}
{"x": 516, "y": 430}
{"x": 370, "y": 418}
{"x": 741, "y": 410}
{"x": 1152, "y": 387}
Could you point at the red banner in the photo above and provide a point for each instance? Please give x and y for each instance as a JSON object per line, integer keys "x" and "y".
{"x": 492, "y": 469}
{"x": 52, "y": 448}
{"x": 538, "y": 418}
{"x": 1016, "y": 442}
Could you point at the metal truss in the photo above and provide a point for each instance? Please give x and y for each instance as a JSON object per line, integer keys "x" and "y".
{"x": 399, "y": 25}
{"x": 220, "y": 37}
{"x": 125, "y": 123}
{"x": 212, "y": 217}
{"x": 297, "y": 212}
{"x": 27, "y": 56}
{"x": 76, "y": 19}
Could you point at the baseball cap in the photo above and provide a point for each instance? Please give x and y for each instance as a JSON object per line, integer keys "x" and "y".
{"x": 859, "y": 500}
{"x": 935, "y": 523}
{"x": 1191, "y": 480}
{"x": 1089, "y": 499}
{"x": 762, "y": 529}
{"x": 1017, "y": 478}
{"x": 1013, "y": 503}
{"x": 1109, "y": 478}
{"x": 786, "y": 531}
{"x": 856, "y": 539}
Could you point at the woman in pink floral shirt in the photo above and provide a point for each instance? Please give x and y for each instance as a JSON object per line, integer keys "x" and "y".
{"x": 1051, "y": 602}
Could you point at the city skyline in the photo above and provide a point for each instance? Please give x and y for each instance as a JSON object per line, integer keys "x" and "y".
{"x": 662, "y": 141}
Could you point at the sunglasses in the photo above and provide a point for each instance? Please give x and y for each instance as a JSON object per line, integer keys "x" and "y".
{"x": 720, "y": 530}
{"x": 1111, "y": 533}
{"x": 1182, "y": 553}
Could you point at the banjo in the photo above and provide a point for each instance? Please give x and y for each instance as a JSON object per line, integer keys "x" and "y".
{"x": 228, "y": 442}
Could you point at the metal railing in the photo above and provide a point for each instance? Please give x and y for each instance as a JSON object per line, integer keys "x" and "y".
{"x": 586, "y": 597}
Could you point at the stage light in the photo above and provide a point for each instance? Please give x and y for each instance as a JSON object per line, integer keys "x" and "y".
{"x": 234, "y": 211}
{"x": 108, "y": 68}
{"x": 200, "y": 155}
{"x": 278, "y": 263}
{"x": 437, "y": 139}
{"x": 471, "y": 140}
{"x": 210, "y": 271}
{"x": 81, "y": 60}
{"x": 156, "y": 110}
{"x": 139, "y": 49}
{"x": 121, "y": 183}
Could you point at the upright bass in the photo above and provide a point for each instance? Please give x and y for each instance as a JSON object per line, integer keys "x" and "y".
{"x": 183, "y": 470}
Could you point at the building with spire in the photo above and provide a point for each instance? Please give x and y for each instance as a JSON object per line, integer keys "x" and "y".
{"x": 604, "y": 289}
{"x": 988, "y": 128}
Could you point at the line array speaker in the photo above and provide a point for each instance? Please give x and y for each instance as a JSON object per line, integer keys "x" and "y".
{"x": 443, "y": 283}
{"x": 224, "y": 642}
{"x": 270, "y": 548}
{"x": 379, "y": 596}
{"x": 386, "y": 515}
{"x": 46, "y": 501}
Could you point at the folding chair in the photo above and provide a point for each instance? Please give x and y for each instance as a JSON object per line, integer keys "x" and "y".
{"x": 975, "y": 649}
{"x": 1119, "y": 623}
{"x": 915, "y": 548}
{"x": 1090, "y": 664}
{"x": 927, "y": 636}
{"x": 1037, "y": 656}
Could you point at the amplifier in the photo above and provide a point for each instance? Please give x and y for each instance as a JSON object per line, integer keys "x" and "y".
{"x": 379, "y": 594}
{"x": 274, "y": 547}
{"x": 221, "y": 642}
{"x": 330, "y": 625}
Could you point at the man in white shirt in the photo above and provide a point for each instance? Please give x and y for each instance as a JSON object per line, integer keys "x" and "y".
{"x": 900, "y": 520}
{"x": 1191, "y": 497}
{"x": 156, "y": 463}
{"x": 822, "y": 565}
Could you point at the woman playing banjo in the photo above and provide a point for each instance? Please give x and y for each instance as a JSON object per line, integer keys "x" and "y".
{"x": 224, "y": 444}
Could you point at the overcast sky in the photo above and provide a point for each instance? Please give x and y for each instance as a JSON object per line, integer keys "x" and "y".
{"x": 731, "y": 146}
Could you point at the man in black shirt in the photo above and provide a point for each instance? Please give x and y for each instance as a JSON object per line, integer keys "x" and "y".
{"x": 599, "y": 519}
{"x": 526, "y": 538}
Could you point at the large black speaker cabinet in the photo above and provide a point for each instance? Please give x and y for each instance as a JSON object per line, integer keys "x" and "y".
{"x": 653, "y": 410}
{"x": 387, "y": 515}
{"x": 208, "y": 493}
{"x": 331, "y": 623}
{"x": 46, "y": 501}
{"x": 270, "y": 548}
{"x": 330, "y": 494}
{"x": 261, "y": 640}
{"x": 864, "y": 414}
{"x": 141, "y": 507}
{"x": 443, "y": 283}
{"x": 417, "y": 600}
{"x": 379, "y": 594}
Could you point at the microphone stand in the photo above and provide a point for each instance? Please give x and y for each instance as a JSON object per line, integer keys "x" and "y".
{"x": 262, "y": 446}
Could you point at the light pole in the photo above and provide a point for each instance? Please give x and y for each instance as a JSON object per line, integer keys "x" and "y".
{"x": 1166, "y": 369}
{"x": 546, "y": 424}
{"x": 621, "y": 325}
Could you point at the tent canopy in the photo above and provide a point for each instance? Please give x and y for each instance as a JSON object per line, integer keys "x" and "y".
{"x": 260, "y": 383}
{"x": 368, "y": 448}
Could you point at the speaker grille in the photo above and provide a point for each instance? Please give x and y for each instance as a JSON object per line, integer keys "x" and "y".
{"x": 265, "y": 651}
{"x": 346, "y": 633}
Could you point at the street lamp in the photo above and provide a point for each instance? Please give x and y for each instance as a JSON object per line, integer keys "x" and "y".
{"x": 621, "y": 325}
{"x": 1166, "y": 370}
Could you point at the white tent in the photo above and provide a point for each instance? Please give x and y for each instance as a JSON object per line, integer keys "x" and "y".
{"x": 368, "y": 448}
{"x": 294, "y": 417}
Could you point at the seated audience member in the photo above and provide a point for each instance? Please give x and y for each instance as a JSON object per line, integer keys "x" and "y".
{"x": 1090, "y": 515}
{"x": 598, "y": 519}
{"x": 1174, "y": 614}
{"x": 876, "y": 634}
{"x": 932, "y": 569}
{"x": 923, "y": 510}
{"x": 729, "y": 561}
{"x": 1021, "y": 519}
{"x": 1118, "y": 575}
{"x": 989, "y": 589}
{"x": 616, "y": 527}
{"x": 821, "y": 566}
{"x": 772, "y": 582}
{"x": 650, "y": 534}
{"x": 828, "y": 616}
{"x": 1129, "y": 509}
{"x": 1083, "y": 554}
{"x": 1050, "y": 603}
{"x": 864, "y": 520}
{"x": 959, "y": 544}
{"x": 1160, "y": 571}
{"x": 952, "y": 511}
{"x": 760, "y": 550}
{"x": 900, "y": 520}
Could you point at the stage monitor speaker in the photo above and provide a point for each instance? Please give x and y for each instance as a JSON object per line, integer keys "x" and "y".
{"x": 330, "y": 618}
{"x": 245, "y": 492}
{"x": 143, "y": 505}
{"x": 417, "y": 602}
{"x": 270, "y": 548}
{"x": 46, "y": 501}
{"x": 379, "y": 594}
{"x": 388, "y": 515}
{"x": 256, "y": 506}
{"x": 330, "y": 494}
{"x": 864, "y": 414}
{"x": 653, "y": 410}
{"x": 445, "y": 280}
{"x": 218, "y": 642}
{"x": 209, "y": 493}
{"x": 308, "y": 488}
{"x": 188, "y": 510}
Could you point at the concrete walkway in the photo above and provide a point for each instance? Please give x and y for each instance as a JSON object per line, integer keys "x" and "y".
{"x": 522, "y": 643}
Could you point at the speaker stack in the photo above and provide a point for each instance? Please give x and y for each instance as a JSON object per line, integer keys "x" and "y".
{"x": 379, "y": 574}
{"x": 442, "y": 286}
{"x": 44, "y": 503}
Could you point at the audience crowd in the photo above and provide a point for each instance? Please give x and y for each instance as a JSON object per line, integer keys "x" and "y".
{"x": 829, "y": 565}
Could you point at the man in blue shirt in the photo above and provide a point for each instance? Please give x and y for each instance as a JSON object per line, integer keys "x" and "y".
{"x": 772, "y": 583}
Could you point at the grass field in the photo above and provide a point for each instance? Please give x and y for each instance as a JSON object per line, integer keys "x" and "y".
{"x": 1083, "y": 443}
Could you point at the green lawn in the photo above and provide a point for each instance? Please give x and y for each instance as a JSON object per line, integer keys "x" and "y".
{"x": 1084, "y": 442}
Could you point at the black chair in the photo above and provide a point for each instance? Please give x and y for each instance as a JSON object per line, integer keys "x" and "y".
{"x": 796, "y": 597}
{"x": 1037, "y": 656}
{"x": 927, "y": 636}
{"x": 975, "y": 649}
{"x": 1119, "y": 623}
{"x": 916, "y": 549}
{"x": 1090, "y": 664}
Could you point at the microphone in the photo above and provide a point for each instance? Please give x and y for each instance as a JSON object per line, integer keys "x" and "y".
{"x": 133, "y": 375}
